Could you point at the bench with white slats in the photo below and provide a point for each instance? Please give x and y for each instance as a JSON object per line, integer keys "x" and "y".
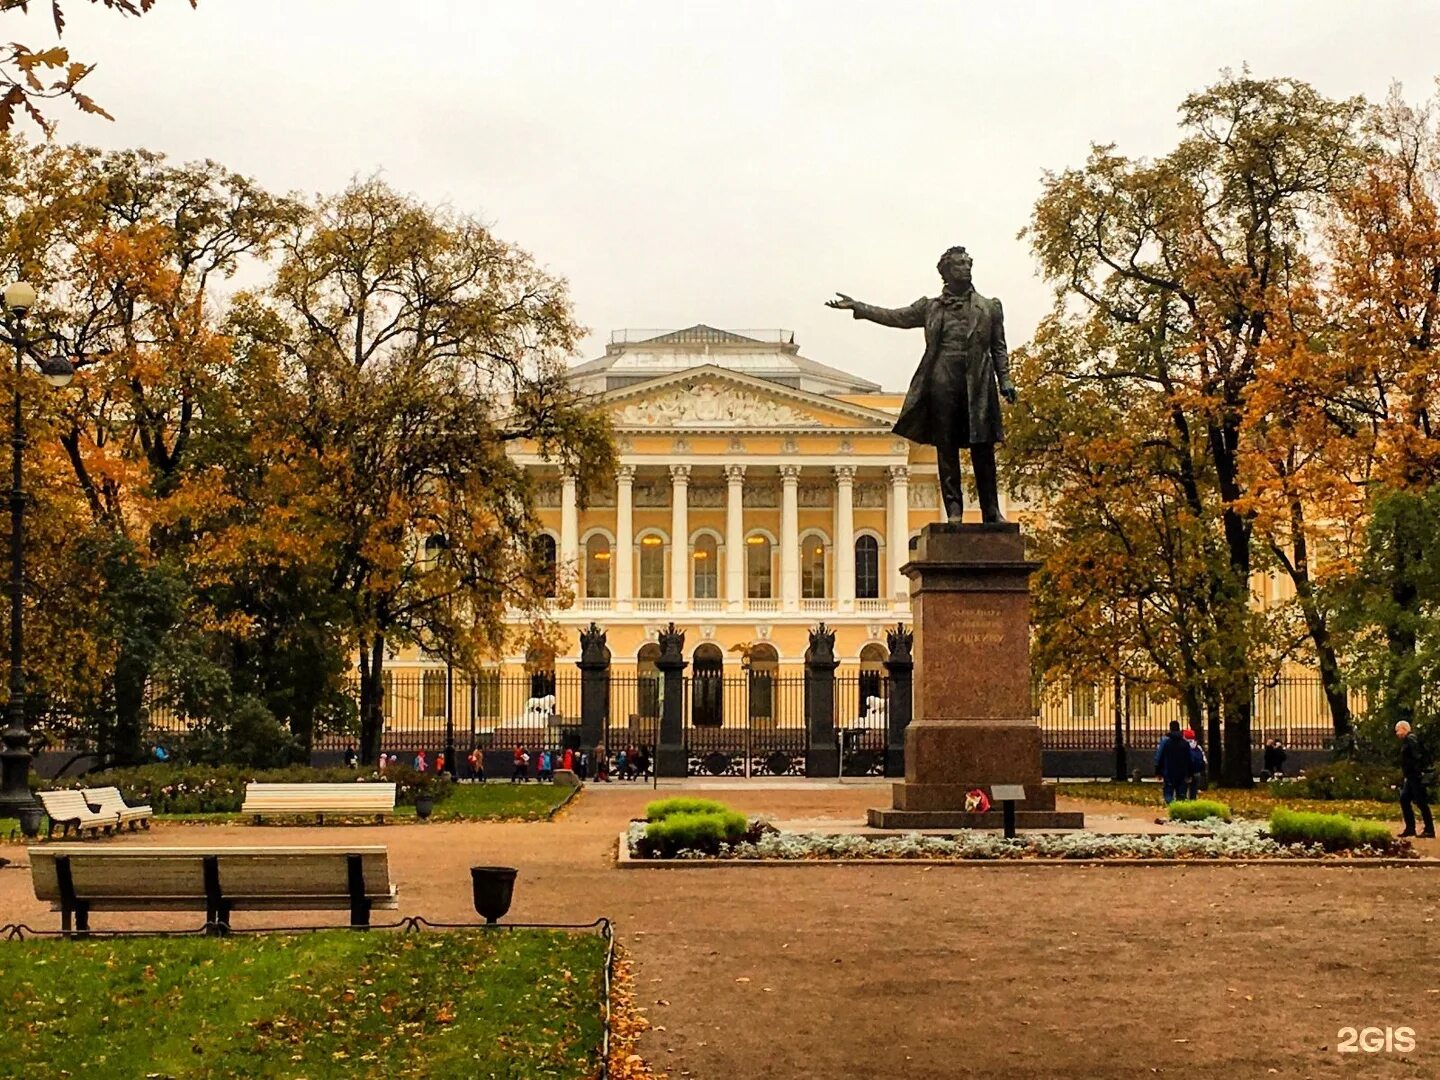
{"x": 78, "y": 878}
{"x": 340, "y": 800}
{"x": 70, "y": 811}
{"x": 108, "y": 800}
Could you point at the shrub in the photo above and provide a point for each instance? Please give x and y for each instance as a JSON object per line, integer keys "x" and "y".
{"x": 1340, "y": 780}
{"x": 220, "y": 789}
{"x": 1198, "y": 810}
{"x": 700, "y": 832}
{"x": 664, "y": 808}
{"x": 1334, "y": 832}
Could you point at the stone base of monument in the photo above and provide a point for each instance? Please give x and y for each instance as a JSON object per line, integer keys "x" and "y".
{"x": 954, "y": 757}
{"x": 973, "y": 726}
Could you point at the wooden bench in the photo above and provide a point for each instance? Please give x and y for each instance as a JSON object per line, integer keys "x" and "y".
{"x": 353, "y": 800}
{"x": 78, "y": 879}
{"x": 108, "y": 800}
{"x": 69, "y": 810}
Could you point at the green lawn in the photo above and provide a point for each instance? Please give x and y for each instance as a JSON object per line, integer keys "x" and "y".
{"x": 510, "y": 1003}
{"x": 498, "y": 802}
{"x": 468, "y": 802}
{"x": 1256, "y": 802}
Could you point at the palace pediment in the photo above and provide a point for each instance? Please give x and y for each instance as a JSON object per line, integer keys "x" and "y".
{"x": 713, "y": 398}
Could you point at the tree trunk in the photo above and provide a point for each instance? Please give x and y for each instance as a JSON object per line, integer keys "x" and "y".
{"x": 1318, "y": 627}
{"x": 1214, "y": 744}
{"x": 372, "y": 703}
{"x": 131, "y": 676}
{"x": 1237, "y": 703}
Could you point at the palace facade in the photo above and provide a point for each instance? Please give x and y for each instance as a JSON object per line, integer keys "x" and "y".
{"x": 758, "y": 493}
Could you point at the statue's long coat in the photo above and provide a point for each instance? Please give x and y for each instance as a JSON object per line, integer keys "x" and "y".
{"x": 987, "y": 363}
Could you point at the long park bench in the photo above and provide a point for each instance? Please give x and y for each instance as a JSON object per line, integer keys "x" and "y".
{"x": 108, "y": 800}
{"x": 70, "y": 811}
{"x": 341, "y": 800}
{"x": 80, "y": 878}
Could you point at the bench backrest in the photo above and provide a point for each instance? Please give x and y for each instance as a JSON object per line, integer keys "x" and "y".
{"x": 141, "y": 873}
{"x": 65, "y": 805}
{"x": 368, "y": 797}
{"x": 106, "y": 798}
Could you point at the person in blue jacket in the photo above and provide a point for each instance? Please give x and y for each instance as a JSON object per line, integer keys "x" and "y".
{"x": 1172, "y": 763}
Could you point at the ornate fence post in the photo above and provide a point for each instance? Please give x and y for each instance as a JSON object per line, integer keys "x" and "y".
{"x": 822, "y": 757}
{"x": 899, "y": 706}
{"x": 670, "y": 758}
{"x": 594, "y": 665}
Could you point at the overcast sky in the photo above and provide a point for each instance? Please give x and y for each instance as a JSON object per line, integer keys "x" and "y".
{"x": 731, "y": 162}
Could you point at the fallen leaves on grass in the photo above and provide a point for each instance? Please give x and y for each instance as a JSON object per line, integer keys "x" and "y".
{"x": 627, "y": 1024}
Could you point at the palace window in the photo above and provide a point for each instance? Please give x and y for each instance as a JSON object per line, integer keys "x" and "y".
{"x": 597, "y": 566}
{"x": 867, "y": 568}
{"x": 544, "y": 549}
{"x": 812, "y": 567}
{"x": 652, "y": 567}
{"x": 432, "y": 694}
{"x": 707, "y": 573}
{"x": 757, "y": 568}
{"x": 1082, "y": 701}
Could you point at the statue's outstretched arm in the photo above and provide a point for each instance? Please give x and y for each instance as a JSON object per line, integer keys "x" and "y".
{"x": 905, "y": 318}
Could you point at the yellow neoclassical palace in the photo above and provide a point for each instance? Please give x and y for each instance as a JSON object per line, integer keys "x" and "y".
{"x": 758, "y": 493}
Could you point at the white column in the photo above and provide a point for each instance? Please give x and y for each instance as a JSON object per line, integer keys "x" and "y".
{"x": 735, "y": 537}
{"x": 845, "y": 537}
{"x": 790, "y": 537}
{"x": 569, "y": 532}
{"x": 624, "y": 555}
{"x": 679, "y": 536}
{"x": 898, "y": 546}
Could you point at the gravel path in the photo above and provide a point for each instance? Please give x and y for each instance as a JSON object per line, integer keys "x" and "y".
{"x": 895, "y": 971}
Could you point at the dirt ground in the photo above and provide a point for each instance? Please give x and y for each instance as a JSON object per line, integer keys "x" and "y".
{"x": 896, "y": 971}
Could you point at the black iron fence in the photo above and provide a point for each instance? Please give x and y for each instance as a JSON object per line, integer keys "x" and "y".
{"x": 1084, "y": 716}
{"x": 753, "y": 724}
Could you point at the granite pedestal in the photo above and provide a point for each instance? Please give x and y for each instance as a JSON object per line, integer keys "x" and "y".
{"x": 973, "y": 724}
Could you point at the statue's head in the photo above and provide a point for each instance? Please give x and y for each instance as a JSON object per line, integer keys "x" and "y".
{"x": 954, "y": 267}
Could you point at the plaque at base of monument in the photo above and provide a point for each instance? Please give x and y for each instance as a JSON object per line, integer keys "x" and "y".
{"x": 973, "y": 724}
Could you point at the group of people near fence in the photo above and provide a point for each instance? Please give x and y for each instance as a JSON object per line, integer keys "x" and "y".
{"x": 1180, "y": 763}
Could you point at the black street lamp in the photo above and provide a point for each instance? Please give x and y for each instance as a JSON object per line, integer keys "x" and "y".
{"x": 15, "y": 757}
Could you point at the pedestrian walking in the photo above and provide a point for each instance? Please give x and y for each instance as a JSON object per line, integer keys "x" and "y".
{"x": 1197, "y": 762}
{"x": 420, "y": 763}
{"x": 520, "y": 772}
{"x": 1412, "y": 781}
{"x": 1172, "y": 764}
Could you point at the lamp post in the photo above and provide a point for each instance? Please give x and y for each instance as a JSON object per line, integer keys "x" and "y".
{"x": 15, "y": 757}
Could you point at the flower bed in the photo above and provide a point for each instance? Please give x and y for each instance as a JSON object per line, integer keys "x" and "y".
{"x": 1213, "y": 839}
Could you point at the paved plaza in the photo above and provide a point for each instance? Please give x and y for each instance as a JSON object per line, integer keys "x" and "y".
{"x": 890, "y": 971}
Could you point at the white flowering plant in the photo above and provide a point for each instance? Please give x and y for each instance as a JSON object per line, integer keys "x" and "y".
{"x": 1212, "y": 838}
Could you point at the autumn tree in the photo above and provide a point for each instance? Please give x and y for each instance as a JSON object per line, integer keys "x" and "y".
{"x": 29, "y": 75}
{"x": 410, "y": 349}
{"x": 124, "y": 248}
{"x": 1193, "y": 260}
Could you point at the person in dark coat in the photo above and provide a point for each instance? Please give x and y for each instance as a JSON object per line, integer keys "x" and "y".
{"x": 1412, "y": 781}
{"x": 954, "y": 399}
{"x": 1172, "y": 763}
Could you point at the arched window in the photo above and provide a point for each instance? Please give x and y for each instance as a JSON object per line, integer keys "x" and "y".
{"x": 543, "y": 547}
{"x": 652, "y": 567}
{"x": 707, "y": 574}
{"x": 597, "y": 566}
{"x": 757, "y": 568}
{"x": 867, "y": 568}
{"x": 430, "y": 556}
{"x": 812, "y": 567}
{"x": 764, "y": 664}
{"x": 872, "y": 677}
{"x": 707, "y": 686}
{"x": 647, "y": 679}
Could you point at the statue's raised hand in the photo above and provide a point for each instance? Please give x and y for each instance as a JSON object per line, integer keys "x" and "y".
{"x": 845, "y": 303}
